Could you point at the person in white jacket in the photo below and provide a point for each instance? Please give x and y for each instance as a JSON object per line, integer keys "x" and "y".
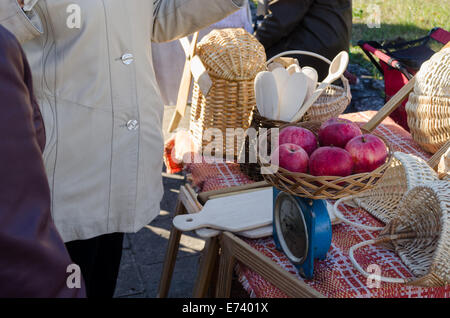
{"x": 94, "y": 79}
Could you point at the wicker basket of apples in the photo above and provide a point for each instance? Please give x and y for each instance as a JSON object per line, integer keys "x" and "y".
{"x": 324, "y": 161}
{"x": 283, "y": 90}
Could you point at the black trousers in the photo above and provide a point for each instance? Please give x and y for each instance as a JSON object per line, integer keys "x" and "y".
{"x": 99, "y": 261}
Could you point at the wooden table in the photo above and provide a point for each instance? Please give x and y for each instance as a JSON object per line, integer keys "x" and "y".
{"x": 222, "y": 252}
{"x": 187, "y": 203}
{"x": 219, "y": 256}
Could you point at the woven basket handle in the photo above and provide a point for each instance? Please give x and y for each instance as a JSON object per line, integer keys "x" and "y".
{"x": 318, "y": 56}
{"x": 434, "y": 161}
{"x": 366, "y": 274}
{"x": 340, "y": 216}
{"x": 390, "y": 106}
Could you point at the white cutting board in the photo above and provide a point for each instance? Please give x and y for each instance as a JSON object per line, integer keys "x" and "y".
{"x": 234, "y": 213}
{"x": 263, "y": 231}
{"x": 259, "y": 232}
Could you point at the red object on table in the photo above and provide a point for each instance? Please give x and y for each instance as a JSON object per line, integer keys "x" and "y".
{"x": 335, "y": 276}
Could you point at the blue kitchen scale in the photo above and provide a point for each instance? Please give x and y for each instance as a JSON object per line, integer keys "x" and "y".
{"x": 301, "y": 229}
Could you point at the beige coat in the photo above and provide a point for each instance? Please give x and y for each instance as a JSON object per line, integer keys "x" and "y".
{"x": 100, "y": 102}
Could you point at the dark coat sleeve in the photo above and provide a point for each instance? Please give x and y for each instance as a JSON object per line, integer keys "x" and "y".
{"x": 284, "y": 16}
{"x": 33, "y": 258}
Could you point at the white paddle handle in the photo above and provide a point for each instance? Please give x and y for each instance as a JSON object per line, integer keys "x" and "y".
{"x": 187, "y": 222}
{"x": 322, "y": 87}
{"x": 190, "y": 222}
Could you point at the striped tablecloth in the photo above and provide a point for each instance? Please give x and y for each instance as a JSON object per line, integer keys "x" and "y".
{"x": 335, "y": 276}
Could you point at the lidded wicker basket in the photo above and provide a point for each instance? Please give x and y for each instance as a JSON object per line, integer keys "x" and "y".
{"x": 232, "y": 58}
{"x": 429, "y": 120}
{"x": 428, "y": 107}
{"x": 433, "y": 79}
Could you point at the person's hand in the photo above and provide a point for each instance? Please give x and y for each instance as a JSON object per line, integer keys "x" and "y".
{"x": 21, "y": 4}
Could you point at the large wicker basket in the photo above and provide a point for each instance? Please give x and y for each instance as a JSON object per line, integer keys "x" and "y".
{"x": 434, "y": 75}
{"x": 320, "y": 187}
{"x": 428, "y": 107}
{"x": 429, "y": 120}
{"x": 420, "y": 235}
{"x": 232, "y": 58}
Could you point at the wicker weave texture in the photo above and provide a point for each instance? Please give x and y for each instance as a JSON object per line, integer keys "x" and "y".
{"x": 428, "y": 107}
{"x": 323, "y": 187}
{"x": 406, "y": 172}
{"x": 433, "y": 79}
{"x": 330, "y": 104}
{"x": 232, "y": 54}
{"x": 420, "y": 233}
{"x": 232, "y": 58}
{"x": 333, "y": 101}
{"x": 444, "y": 166}
{"x": 252, "y": 169}
{"x": 429, "y": 120}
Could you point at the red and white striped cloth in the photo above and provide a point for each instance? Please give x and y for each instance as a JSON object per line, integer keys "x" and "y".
{"x": 335, "y": 276}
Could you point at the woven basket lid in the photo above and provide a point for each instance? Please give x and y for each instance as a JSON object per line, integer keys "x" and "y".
{"x": 232, "y": 54}
{"x": 433, "y": 78}
{"x": 423, "y": 226}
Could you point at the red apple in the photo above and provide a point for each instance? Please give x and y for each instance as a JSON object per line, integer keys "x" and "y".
{"x": 368, "y": 152}
{"x": 337, "y": 132}
{"x": 330, "y": 161}
{"x": 291, "y": 157}
{"x": 299, "y": 136}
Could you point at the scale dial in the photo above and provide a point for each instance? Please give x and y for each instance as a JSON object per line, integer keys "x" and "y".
{"x": 291, "y": 228}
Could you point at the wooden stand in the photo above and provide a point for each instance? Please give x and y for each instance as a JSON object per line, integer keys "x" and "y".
{"x": 188, "y": 204}
{"x": 234, "y": 249}
{"x": 229, "y": 248}
{"x": 220, "y": 255}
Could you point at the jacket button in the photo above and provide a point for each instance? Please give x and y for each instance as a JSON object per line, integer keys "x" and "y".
{"x": 127, "y": 58}
{"x": 132, "y": 125}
